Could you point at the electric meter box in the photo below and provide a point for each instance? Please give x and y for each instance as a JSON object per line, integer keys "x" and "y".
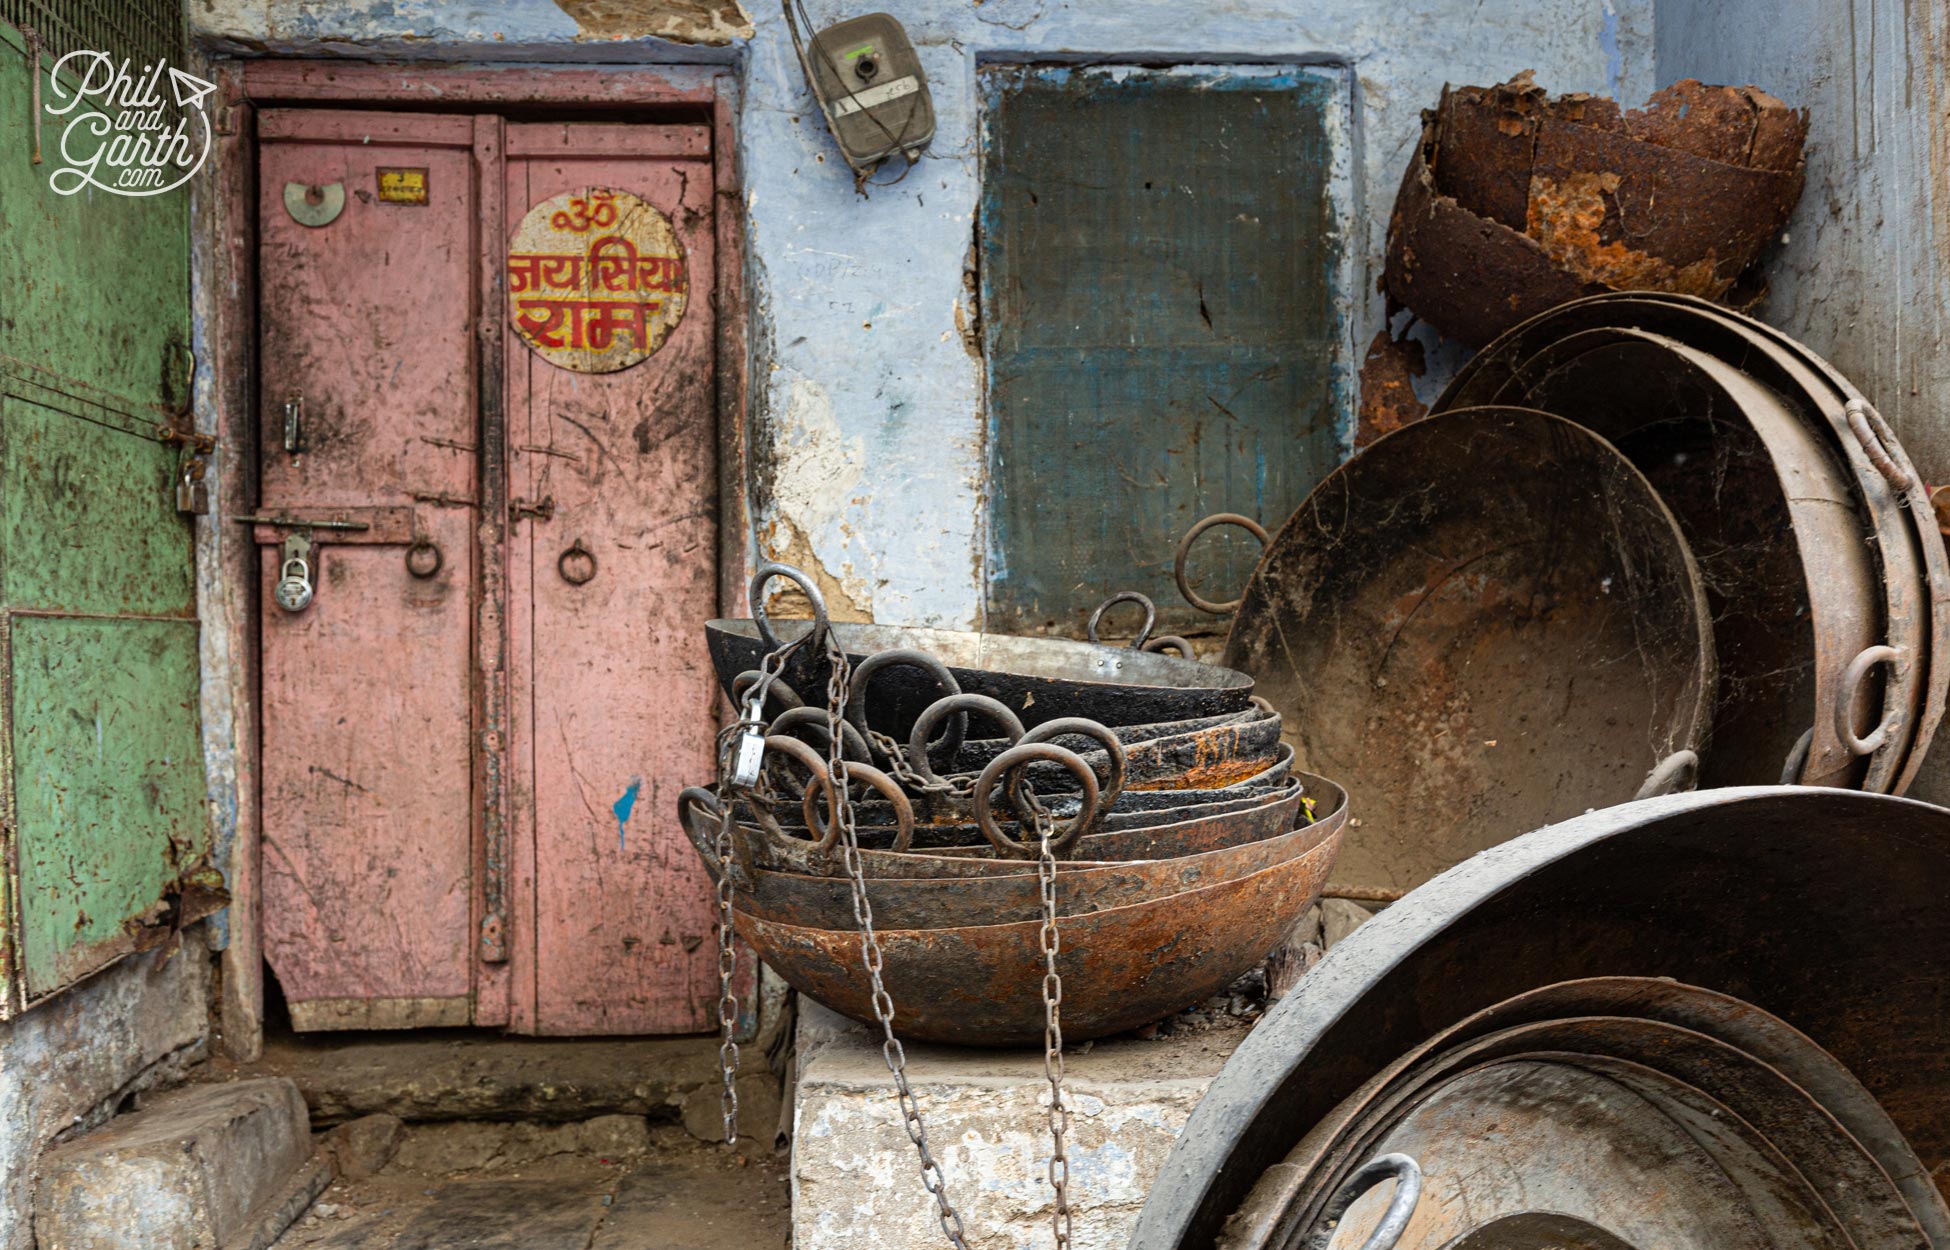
{"x": 869, "y": 83}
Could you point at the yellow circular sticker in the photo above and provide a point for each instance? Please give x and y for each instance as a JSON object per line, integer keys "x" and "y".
{"x": 595, "y": 280}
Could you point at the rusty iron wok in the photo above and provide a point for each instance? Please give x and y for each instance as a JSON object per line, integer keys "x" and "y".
{"x": 1487, "y": 621}
{"x": 1909, "y": 601}
{"x": 1039, "y": 679}
{"x": 1122, "y": 967}
{"x": 825, "y": 901}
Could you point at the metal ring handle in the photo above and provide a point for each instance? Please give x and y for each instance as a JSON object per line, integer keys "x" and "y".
{"x": 690, "y": 800}
{"x": 887, "y": 786}
{"x": 1876, "y": 437}
{"x": 863, "y": 674}
{"x": 580, "y": 556}
{"x": 1007, "y": 762}
{"x": 815, "y": 718}
{"x": 741, "y": 686}
{"x": 1852, "y": 676}
{"x": 1112, "y": 784}
{"x": 1678, "y": 771}
{"x": 939, "y": 710}
{"x": 1168, "y": 642}
{"x": 1797, "y": 757}
{"x": 1185, "y": 548}
{"x": 417, "y": 556}
{"x": 765, "y": 573}
{"x": 1407, "y": 1175}
{"x": 794, "y": 749}
{"x": 1125, "y": 596}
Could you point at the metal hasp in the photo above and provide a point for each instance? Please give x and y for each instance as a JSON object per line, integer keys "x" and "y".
{"x": 1590, "y": 988}
{"x": 1829, "y": 554}
{"x": 1488, "y": 621}
{"x": 871, "y": 87}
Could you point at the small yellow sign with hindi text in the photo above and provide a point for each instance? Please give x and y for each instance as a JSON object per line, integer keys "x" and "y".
{"x": 402, "y": 185}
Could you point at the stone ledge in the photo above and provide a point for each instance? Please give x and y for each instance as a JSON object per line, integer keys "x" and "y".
{"x": 854, "y": 1174}
{"x": 196, "y": 1168}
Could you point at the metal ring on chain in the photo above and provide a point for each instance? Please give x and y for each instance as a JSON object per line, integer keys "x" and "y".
{"x": 741, "y": 685}
{"x": 765, "y": 573}
{"x": 940, "y": 710}
{"x": 1112, "y": 783}
{"x": 795, "y": 750}
{"x": 1407, "y": 1175}
{"x": 1125, "y": 596}
{"x": 856, "y": 700}
{"x": 423, "y": 559}
{"x": 577, "y": 565}
{"x": 816, "y": 719}
{"x": 1007, "y": 762}
{"x": 1185, "y": 548}
{"x": 1169, "y": 642}
{"x": 888, "y": 787}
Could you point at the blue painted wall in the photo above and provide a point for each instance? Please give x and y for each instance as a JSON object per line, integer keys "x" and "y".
{"x": 869, "y": 424}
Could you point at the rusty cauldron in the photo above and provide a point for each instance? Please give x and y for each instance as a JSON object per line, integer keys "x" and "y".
{"x": 1755, "y": 977}
{"x": 1124, "y": 966}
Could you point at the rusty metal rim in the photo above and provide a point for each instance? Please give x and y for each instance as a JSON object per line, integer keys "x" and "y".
{"x": 1753, "y": 857}
{"x": 1782, "y": 1051}
{"x": 913, "y": 903}
{"x": 757, "y": 848}
{"x": 1904, "y": 527}
{"x": 1838, "y": 569}
{"x": 1839, "y": 1176}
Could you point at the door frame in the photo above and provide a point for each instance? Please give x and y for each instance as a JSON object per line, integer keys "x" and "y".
{"x": 224, "y": 300}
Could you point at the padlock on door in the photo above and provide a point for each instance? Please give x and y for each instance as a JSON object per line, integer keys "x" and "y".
{"x": 294, "y": 588}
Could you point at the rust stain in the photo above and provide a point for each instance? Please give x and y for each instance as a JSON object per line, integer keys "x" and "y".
{"x": 1566, "y": 218}
{"x": 1388, "y": 376}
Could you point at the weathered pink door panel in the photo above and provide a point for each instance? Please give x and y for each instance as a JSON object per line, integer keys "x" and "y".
{"x": 369, "y": 410}
{"x": 613, "y": 699}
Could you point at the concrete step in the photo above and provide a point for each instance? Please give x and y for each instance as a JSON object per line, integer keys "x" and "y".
{"x": 207, "y": 1167}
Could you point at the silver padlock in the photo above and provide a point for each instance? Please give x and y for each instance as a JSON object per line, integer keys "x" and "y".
{"x": 294, "y": 589}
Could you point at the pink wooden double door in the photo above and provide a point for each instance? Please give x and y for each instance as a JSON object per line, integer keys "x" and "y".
{"x": 474, "y": 733}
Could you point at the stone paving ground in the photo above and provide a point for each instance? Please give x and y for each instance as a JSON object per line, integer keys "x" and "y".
{"x": 612, "y": 1183}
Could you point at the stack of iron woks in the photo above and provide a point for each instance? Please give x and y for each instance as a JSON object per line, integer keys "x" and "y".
{"x": 1015, "y": 814}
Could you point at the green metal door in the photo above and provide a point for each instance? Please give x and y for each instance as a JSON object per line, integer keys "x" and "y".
{"x": 102, "y": 813}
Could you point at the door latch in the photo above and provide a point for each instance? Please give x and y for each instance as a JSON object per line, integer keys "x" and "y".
{"x": 294, "y": 424}
{"x": 192, "y": 494}
{"x": 294, "y": 588}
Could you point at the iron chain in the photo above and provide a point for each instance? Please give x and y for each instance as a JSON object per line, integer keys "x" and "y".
{"x": 751, "y": 717}
{"x": 883, "y": 1004}
{"x": 1059, "y": 1111}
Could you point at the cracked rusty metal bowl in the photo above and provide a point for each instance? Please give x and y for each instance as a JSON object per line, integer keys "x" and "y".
{"x": 1911, "y": 590}
{"x": 1484, "y": 622}
{"x": 1822, "y": 908}
{"x": 1039, "y": 679}
{"x": 917, "y": 902}
{"x": 1121, "y": 968}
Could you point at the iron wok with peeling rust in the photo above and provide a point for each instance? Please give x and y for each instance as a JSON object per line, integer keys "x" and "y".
{"x": 1121, "y": 968}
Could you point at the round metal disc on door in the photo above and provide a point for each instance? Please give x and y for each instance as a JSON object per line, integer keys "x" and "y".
{"x": 1486, "y": 622}
{"x": 596, "y": 280}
